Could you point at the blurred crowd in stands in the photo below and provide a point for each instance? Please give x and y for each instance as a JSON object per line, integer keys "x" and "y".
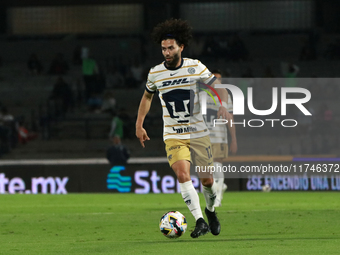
{"x": 13, "y": 131}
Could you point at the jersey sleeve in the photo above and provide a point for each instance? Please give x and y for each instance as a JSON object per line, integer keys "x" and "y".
{"x": 205, "y": 75}
{"x": 150, "y": 85}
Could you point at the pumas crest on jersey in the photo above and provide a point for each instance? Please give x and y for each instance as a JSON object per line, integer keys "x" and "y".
{"x": 191, "y": 70}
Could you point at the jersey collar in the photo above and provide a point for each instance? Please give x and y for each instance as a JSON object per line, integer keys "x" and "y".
{"x": 176, "y": 67}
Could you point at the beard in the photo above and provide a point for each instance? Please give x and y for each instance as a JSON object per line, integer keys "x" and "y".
{"x": 172, "y": 63}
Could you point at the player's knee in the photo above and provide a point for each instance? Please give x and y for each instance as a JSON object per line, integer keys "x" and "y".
{"x": 207, "y": 182}
{"x": 182, "y": 176}
{"x": 182, "y": 170}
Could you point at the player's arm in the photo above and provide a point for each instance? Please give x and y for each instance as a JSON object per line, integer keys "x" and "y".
{"x": 143, "y": 110}
{"x": 232, "y": 132}
{"x": 223, "y": 93}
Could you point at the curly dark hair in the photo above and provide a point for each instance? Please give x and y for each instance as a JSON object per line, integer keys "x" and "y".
{"x": 217, "y": 71}
{"x": 177, "y": 29}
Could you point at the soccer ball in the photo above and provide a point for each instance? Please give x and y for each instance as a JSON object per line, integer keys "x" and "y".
{"x": 173, "y": 224}
{"x": 266, "y": 188}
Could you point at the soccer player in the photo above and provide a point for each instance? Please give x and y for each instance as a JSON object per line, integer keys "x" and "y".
{"x": 186, "y": 135}
{"x": 219, "y": 141}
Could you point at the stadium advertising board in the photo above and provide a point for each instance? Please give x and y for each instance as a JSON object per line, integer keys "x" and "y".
{"x": 44, "y": 185}
{"x": 145, "y": 178}
{"x": 292, "y": 182}
{"x": 57, "y": 179}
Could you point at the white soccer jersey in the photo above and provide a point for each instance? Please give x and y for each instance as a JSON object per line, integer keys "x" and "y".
{"x": 218, "y": 134}
{"x": 178, "y": 93}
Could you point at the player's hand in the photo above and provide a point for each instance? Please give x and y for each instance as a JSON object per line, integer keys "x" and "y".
{"x": 233, "y": 147}
{"x": 142, "y": 136}
{"x": 224, "y": 114}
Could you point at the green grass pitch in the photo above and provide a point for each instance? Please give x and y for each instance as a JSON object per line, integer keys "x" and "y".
{"x": 252, "y": 223}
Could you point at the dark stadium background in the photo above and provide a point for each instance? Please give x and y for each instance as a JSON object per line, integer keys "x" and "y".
{"x": 244, "y": 39}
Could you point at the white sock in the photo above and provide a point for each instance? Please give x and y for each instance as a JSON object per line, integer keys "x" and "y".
{"x": 210, "y": 196}
{"x": 219, "y": 180}
{"x": 218, "y": 174}
{"x": 191, "y": 198}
